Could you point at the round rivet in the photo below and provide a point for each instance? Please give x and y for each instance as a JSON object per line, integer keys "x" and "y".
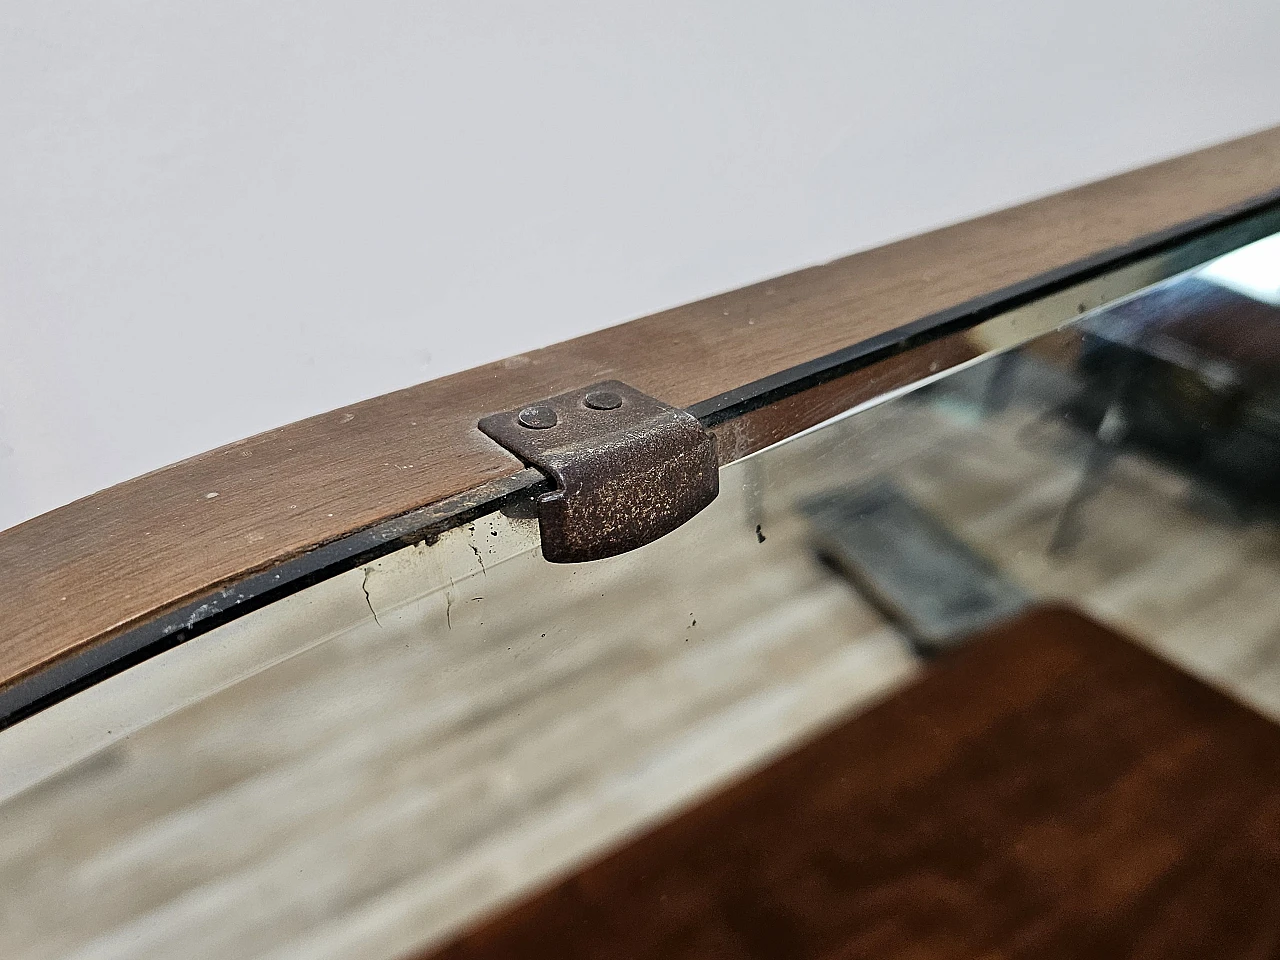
{"x": 602, "y": 400}
{"x": 537, "y": 417}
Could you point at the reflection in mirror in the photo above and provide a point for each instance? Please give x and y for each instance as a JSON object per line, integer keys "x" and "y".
{"x": 364, "y": 767}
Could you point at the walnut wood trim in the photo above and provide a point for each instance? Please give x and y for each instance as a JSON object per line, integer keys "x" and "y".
{"x": 79, "y": 576}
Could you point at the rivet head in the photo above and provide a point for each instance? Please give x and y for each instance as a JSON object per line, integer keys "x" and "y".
{"x": 537, "y": 417}
{"x": 602, "y": 400}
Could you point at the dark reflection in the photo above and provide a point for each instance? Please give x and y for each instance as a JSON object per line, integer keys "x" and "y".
{"x": 1042, "y": 471}
{"x": 912, "y": 566}
{"x": 1188, "y": 373}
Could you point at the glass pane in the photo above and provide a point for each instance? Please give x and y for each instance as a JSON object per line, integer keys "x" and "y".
{"x": 361, "y": 768}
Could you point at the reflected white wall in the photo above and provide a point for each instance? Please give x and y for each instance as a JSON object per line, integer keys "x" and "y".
{"x": 1253, "y": 270}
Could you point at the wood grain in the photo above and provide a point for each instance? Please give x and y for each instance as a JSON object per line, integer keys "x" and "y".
{"x": 1049, "y": 791}
{"x": 86, "y": 572}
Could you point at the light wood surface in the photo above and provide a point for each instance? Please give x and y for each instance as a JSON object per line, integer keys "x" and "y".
{"x": 81, "y": 574}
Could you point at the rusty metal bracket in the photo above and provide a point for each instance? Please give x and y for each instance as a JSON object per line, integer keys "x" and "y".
{"x": 628, "y": 468}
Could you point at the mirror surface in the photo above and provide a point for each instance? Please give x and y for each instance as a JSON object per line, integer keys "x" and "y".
{"x": 367, "y": 765}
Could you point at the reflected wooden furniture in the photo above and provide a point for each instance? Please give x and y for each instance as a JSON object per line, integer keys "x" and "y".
{"x": 1050, "y": 790}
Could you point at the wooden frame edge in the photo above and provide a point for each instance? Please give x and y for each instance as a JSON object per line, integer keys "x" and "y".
{"x": 149, "y": 551}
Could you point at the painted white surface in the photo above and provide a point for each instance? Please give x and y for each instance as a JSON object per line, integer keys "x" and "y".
{"x": 218, "y": 218}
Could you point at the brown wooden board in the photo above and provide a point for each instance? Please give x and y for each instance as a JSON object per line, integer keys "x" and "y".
{"x": 78, "y": 577}
{"x": 1051, "y": 790}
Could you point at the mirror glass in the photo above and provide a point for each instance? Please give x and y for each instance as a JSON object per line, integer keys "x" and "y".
{"x": 370, "y": 764}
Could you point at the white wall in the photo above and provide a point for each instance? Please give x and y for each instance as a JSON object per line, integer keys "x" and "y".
{"x": 217, "y": 218}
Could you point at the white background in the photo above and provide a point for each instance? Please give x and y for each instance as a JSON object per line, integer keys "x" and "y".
{"x": 216, "y": 218}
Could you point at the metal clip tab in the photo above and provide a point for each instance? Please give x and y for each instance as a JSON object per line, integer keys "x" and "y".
{"x": 628, "y": 468}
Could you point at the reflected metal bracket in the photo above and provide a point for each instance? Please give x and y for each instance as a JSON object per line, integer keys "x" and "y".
{"x": 628, "y": 468}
